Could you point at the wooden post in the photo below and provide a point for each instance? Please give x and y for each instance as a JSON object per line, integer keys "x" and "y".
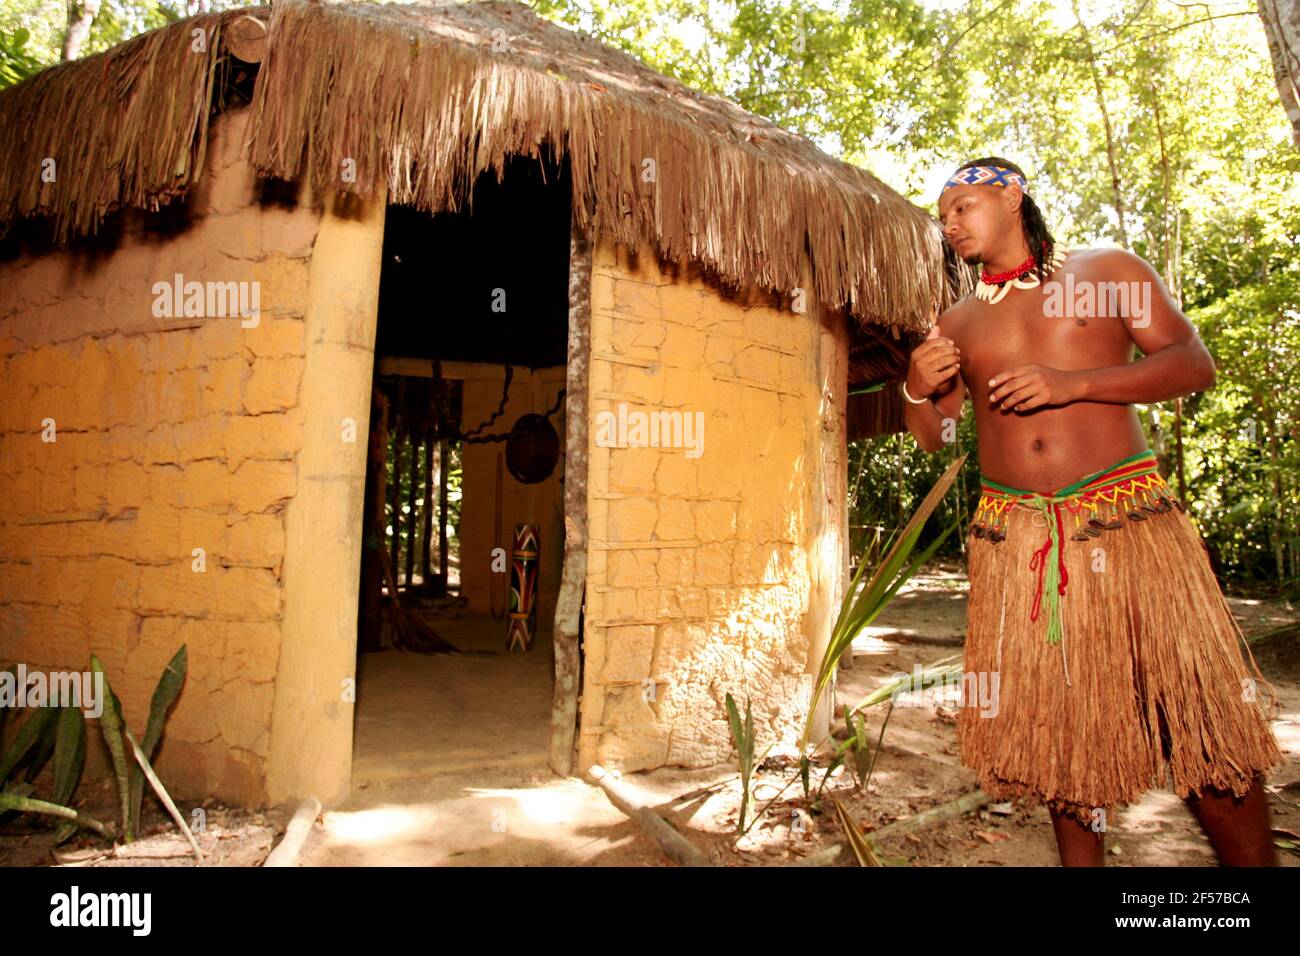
{"x": 573, "y": 575}
{"x": 396, "y": 499}
{"x": 426, "y": 569}
{"x": 443, "y": 449}
{"x": 372, "y": 578}
{"x": 413, "y": 486}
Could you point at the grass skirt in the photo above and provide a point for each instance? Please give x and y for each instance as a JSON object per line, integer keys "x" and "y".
{"x": 1140, "y": 674}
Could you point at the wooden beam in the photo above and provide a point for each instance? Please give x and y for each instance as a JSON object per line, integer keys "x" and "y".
{"x": 246, "y": 38}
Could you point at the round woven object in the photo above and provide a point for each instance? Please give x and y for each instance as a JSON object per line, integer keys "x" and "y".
{"x": 532, "y": 449}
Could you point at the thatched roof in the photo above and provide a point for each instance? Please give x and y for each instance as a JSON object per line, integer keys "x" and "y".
{"x": 425, "y": 97}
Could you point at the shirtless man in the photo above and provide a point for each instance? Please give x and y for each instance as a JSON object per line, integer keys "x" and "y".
{"x": 1052, "y": 388}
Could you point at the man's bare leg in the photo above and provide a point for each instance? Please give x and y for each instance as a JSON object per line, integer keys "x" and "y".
{"x": 1076, "y": 842}
{"x": 1238, "y": 827}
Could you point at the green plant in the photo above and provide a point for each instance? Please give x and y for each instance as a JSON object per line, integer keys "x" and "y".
{"x": 59, "y": 732}
{"x": 860, "y": 606}
{"x": 863, "y": 603}
{"x": 742, "y": 735}
{"x": 16, "y": 63}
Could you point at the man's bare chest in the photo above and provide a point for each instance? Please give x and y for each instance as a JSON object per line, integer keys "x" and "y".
{"x": 1020, "y": 331}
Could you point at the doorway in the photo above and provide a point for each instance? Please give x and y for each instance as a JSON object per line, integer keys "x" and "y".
{"x": 465, "y": 482}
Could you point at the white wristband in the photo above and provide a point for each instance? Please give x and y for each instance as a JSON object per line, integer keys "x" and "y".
{"x": 914, "y": 401}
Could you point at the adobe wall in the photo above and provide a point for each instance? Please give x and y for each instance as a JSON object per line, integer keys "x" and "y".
{"x": 171, "y": 435}
{"x": 721, "y": 572}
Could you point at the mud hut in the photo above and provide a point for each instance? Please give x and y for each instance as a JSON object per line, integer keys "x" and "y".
{"x": 250, "y": 256}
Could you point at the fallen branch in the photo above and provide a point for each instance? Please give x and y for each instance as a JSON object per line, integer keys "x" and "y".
{"x": 939, "y": 814}
{"x": 295, "y": 834}
{"x": 823, "y": 857}
{"x": 676, "y": 846}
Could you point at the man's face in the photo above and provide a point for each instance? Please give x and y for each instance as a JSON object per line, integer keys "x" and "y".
{"x": 976, "y": 218}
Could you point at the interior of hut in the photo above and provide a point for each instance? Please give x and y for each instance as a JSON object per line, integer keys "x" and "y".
{"x": 463, "y": 518}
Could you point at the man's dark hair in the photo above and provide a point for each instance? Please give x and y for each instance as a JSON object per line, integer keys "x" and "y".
{"x": 1031, "y": 218}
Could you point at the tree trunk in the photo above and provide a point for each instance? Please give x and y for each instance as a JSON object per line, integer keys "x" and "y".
{"x": 1282, "y": 30}
{"x": 1115, "y": 184}
{"x": 567, "y": 630}
{"x": 1172, "y": 254}
{"x": 81, "y": 14}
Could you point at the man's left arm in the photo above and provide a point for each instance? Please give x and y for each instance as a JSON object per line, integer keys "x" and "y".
{"x": 1175, "y": 360}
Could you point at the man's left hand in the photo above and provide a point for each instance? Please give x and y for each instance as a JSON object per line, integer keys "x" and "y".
{"x": 1027, "y": 387}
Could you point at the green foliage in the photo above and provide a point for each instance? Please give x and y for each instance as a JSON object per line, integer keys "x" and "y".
{"x": 111, "y": 723}
{"x": 742, "y": 736}
{"x": 60, "y": 732}
{"x": 17, "y": 63}
{"x": 164, "y": 695}
{"x": 864, "y": 601}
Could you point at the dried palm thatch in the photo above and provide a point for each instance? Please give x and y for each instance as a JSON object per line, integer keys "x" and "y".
{"x": 128, "y": 127}
{"x": 424, "y": 98}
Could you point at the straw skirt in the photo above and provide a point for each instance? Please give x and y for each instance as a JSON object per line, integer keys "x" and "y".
{"x": 1149, "y": 678}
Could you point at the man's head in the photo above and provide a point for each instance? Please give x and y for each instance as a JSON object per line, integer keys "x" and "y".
{"x": 985, "y": 206}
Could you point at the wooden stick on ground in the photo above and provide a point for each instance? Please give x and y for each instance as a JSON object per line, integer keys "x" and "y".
{"x": 939, "y": 814}
{"x": 295, "y": 834}
{"x": 678, "y": 848}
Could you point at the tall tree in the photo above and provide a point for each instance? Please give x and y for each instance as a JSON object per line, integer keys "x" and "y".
{"x": 81, "y": 14}
{"x": 1282, "y": 28}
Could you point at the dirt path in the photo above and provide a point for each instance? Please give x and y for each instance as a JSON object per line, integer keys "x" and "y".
{"x": 524, "y": 815}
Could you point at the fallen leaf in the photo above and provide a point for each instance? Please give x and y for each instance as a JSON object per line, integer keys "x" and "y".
{"x": 988, "y": 837}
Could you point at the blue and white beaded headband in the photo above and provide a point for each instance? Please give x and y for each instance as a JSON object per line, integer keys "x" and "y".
{"x": 986, "y": 176}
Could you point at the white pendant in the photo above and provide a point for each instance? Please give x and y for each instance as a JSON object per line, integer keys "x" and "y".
{"x": 993, "y": 294}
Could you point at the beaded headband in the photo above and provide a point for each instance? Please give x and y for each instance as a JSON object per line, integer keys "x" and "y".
{"x": 986, "y": 176}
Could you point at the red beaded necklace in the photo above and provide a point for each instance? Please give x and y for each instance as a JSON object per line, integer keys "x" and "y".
{"x": 1016, "y": 273}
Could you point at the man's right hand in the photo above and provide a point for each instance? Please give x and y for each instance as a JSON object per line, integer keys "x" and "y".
{"x": 934, "y": 361}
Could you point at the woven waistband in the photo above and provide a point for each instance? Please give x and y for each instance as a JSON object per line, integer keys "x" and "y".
{"x": 1144, "y": 462}
{"x": 1093, "y": 503}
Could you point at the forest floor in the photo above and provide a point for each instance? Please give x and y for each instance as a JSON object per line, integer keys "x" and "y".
{"x": 501, "y": 807}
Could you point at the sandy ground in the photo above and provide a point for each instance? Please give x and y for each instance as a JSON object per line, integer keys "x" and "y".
{"x": 437, "y": 785}
{"x": 450, "y": 769}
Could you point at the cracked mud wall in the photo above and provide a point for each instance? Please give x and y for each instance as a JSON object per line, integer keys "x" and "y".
{"x": 717, "y": 573}
{"x": 167, "y": 441}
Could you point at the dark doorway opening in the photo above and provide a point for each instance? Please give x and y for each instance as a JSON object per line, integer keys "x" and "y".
{"x": 467, "y": 444}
